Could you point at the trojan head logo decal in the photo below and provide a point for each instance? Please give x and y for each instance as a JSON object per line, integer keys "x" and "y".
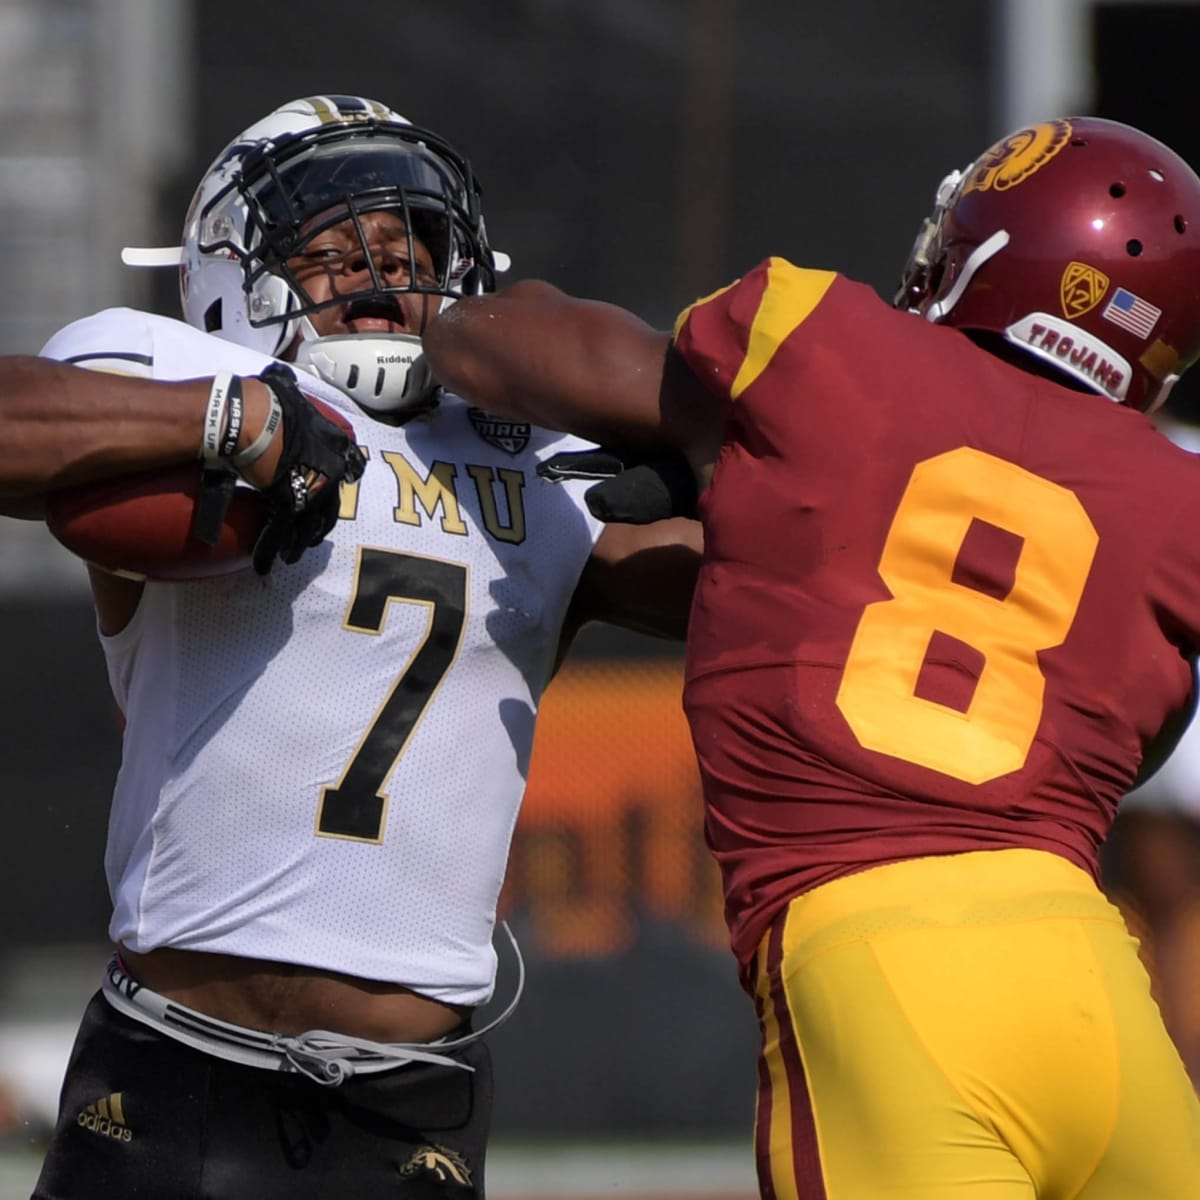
{"x": 1013, "y": 160}
{"x": 1081, "y": 289}
{"x": 448, "y": 1165}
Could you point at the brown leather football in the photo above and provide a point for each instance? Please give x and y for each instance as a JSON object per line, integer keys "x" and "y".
{"x": 142, "y": 524}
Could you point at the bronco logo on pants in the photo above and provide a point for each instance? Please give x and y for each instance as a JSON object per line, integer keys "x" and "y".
{"x": 448, "y": 1165}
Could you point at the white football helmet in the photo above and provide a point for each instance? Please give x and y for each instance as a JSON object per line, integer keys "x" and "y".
{"x": 261, "y": 202}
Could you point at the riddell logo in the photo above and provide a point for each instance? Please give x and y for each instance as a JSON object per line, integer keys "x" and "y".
{"x": 107, "y": 1118}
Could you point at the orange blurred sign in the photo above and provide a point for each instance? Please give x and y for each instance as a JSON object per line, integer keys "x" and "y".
{"x": 612, "y": 826}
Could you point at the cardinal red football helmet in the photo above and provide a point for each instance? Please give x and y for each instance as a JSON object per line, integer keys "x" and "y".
{"x": 1077, "y": 240}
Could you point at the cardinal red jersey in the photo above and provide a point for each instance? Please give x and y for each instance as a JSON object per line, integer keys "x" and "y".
{"x": 945, "y": 603}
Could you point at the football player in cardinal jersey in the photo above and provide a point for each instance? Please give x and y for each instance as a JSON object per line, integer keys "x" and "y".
{"x": 323, "y": 762}
{"x": 949, "y": 599}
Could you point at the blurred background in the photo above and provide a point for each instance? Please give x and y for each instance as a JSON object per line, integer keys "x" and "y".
{"x": 639, "y": 151}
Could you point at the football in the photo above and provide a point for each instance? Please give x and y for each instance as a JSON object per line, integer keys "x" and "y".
{"x": 142, "y": 524}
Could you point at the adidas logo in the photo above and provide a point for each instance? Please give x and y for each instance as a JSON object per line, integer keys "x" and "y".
{"x": 106, "y": 1117}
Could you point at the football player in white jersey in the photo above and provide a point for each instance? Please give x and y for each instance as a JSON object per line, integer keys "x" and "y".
{"x": 322, "y": 762}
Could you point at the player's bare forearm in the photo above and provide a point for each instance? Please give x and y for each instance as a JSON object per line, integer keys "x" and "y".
{"x": 64, "y": 425}
{"x": 61, "y": 425}
{"x": 533, "y": 353}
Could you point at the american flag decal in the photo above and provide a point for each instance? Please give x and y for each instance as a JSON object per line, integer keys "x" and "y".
{"x": 1131, "y": 312}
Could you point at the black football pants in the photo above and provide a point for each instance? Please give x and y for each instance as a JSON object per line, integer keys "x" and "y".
{"x": 142, "y": 1115}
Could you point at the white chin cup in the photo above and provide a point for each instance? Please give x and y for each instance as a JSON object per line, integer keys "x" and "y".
{"x": 383, "y": 373}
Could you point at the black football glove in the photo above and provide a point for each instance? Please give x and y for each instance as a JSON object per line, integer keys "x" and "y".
{"x": 303, "y": 499}
{"x": 629, "y": 489}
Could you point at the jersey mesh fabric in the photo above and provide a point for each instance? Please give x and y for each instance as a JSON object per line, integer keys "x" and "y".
{"x": 247, "y": 697}
{"x": 1054, "y": 605}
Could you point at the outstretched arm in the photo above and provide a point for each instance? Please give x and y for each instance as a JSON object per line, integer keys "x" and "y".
{"x": 62, "y": 425}
{"x": 534, "y": 353}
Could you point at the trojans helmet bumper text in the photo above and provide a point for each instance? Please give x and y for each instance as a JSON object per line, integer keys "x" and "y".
{"x": 1077, "y": 240}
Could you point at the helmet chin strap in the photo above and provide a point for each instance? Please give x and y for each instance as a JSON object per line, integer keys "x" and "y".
{"x": 986, "y": 249}
{"x": 383, "y": 373}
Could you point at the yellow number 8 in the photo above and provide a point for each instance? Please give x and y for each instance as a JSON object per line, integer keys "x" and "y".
{"x": 878, "y": 696}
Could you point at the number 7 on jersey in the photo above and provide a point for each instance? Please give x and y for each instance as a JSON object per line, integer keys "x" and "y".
{"x": 356, "y": 806}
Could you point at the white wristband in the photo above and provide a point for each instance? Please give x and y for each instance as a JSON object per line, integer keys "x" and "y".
{"x": 258, "y": 447}
{"x": 214, "y": 416}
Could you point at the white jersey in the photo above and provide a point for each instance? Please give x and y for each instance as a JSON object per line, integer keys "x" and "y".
{"x": 324, "y": 766}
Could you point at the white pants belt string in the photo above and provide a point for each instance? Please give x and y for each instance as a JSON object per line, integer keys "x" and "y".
{"x": 325, "y": 1057}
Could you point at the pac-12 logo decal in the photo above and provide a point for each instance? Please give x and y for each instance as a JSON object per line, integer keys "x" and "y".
{"x": 1014, "y": 159}
{"x": 512, "y": 436}
{"x": 1081, "y": 289}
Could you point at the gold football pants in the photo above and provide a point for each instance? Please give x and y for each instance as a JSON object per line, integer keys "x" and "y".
{"x": 970, "y": 1027}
